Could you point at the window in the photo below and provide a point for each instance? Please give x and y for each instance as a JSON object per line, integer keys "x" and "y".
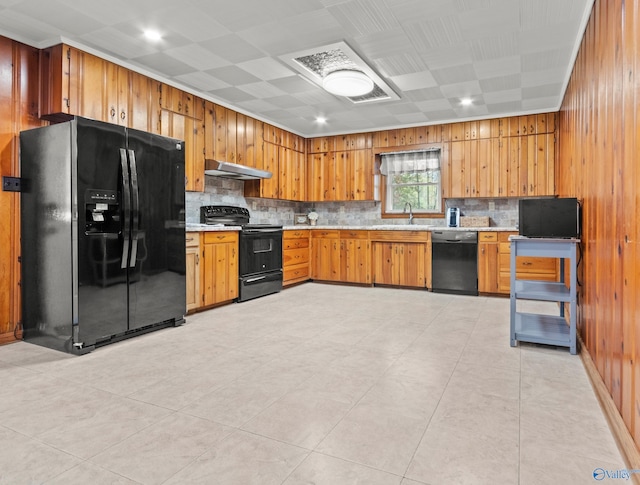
{"x": 414, "y": 178}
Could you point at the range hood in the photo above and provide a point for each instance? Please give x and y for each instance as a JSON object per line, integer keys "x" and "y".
{"x": 229, "y": 170}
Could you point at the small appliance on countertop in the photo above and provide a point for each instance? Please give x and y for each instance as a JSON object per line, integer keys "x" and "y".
{"x": 453, "y": 217}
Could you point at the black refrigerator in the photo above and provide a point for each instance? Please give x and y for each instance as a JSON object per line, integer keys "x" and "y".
{"x": 102, "y": 234}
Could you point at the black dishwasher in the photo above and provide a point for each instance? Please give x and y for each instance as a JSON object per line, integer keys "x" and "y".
{"x": 454, "y": 262}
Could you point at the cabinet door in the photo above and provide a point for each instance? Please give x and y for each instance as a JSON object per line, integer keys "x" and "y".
{"x": 384, "y": 263}
{"x": 325, "y": 257}
{"x": 488, "y": 267}
{"x": 320, "y": 176}
{"x": 456, "y": 175}
{"x": 194, "y": 297}
{"x": 192, "y": 132}
{"x": 342, "y": 184}
{"x": 220, "y": 272}
{"x": 360, "y": 177}
{"x": 411, "y": 264}
{"x": 355, "y": 261}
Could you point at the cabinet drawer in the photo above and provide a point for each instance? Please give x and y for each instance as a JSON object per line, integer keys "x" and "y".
{"x": 296, "y": 234}
{"x": 219, "y": 237}
{"x": 296, "y": 272}
{"x": 487, "y": 237}
{"x": 325, "y": 233}
{"x": 344, "y": 234}
{"x": 295, "y": 243}
{"x": 192, "y": 239}
{"x": 295, "y": 256}
{"x": 504, "y": 236}
{"x": 527, "y": 264}
{"x": 400, "y": 236}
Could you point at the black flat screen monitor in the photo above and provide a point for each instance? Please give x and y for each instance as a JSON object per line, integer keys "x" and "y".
{"x": 549, "y": 217}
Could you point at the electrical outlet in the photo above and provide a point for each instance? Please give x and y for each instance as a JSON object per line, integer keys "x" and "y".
{"x": 254, "y": 205}
{"x": 492, "y": 205}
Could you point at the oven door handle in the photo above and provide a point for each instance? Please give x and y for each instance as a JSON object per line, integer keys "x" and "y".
{"x": 253, "y": 280}
{"x": 261, "y": 231}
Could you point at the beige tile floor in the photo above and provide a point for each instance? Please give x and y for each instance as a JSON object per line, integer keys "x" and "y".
{"x": 319, "y": 384}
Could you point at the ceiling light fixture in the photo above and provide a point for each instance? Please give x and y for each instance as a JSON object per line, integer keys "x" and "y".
{"x": 466, "y": 101}
{"x": 347, "y": 82}
{"x": 153, "y": 35}
{"x": 321, "y": 120}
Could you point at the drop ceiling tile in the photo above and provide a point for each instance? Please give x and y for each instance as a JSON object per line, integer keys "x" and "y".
{"x": 547, "y": 38}
{"x": 256, "y": 105}
{"x": 454, "y": 74}
{"x": 402, "y": 108}
{"x": 551, "y": 103}
{"x": 233, "y": 75}
{"x": 503, "y": 96}
{"x": 24, "y": 27}
{"x": 418, "y": 80}
{"x": 266, "y": 68}
{"x": 405, "y": 10}
{"x": 485, "y": 19}
{"x": 400, "y": 64}
{"x": 60, "y": 17}
{"x": 237, "y": 15}
{"x": 501, "y": 83}
{"x": 364, "y": 17}
{"x": 201, "y": 81}
{"x": 507, "y": 107}
{"x": 542, "y": 91}
{"x": 261, "y": 89}
{"x": 231, "y": 94}
{"x": 542, "y": 61}
{"x": 537, "y": 78}
{"x": 285, "y": 101}
{"x": 411, "y": 118}
{"x": 432, "y": 33}
{"x": 434, "y": 105}
{"x": 447, "y": 56}
{"x": 537, "y": 13}
{"x": 161, "y": 62}
{"x": 114, "y": 42}
{"x": 496, "y": 46}
{"x": 384, "y": 44}
{"x": 444, "y": 114}
{"x": 425, "y": 94}
{"x": 197, "y": 57}
{"x": 474, "y": 111}
{"x": 194, "y": 24}
{"x": 294, "y": 85}
{"x": 461, "y": 90}
{"x": 506, "y": 66}
{"x": 232, "y": 48}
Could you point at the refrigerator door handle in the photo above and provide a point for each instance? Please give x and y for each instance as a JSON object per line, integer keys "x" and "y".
{"x": 126, "y": 199}
{"x": 135, "y": 211}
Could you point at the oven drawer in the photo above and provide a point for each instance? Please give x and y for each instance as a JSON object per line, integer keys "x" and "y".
{"x": 259, "y": 285}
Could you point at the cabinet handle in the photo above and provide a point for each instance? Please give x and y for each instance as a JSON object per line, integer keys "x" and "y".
{"x": 197, "y": 259}
{"x": 113, "y": 112}
{"x": 220, "y": 237}
{"x": 189, "y": 239}
{"x": 526, "y": 263}
{"x": 179, "y": 107}
{"x": 123, "y": 115}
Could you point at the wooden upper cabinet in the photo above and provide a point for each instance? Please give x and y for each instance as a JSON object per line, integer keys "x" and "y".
{"x": 55, "y": 82}
{"x": 321, "y": 144}
{"x": 181, "y": 102}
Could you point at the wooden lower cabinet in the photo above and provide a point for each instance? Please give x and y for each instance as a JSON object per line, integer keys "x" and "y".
{"x": 325, "y": 255}
{"x": 355, "y": 257}
{"x": 488, "y": 251}
{"x": 219, "y": 267}
{"x": 295, "y": 256}
{"x": 194, "y": 297}
{"x": 401, "y": 258}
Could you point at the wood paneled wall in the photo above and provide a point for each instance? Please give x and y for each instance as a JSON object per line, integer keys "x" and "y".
{"x": 599, "y": 162}
{"x": 18, "y": 111}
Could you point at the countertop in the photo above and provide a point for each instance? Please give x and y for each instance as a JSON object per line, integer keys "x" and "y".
{"x": 399, "y": 227}
{"x": 381, "y": 227}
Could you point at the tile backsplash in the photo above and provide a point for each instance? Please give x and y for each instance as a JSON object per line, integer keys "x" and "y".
{"x": 220, "y": 191}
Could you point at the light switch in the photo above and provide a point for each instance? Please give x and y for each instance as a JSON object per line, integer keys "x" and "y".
{"x": 492, "y": 205}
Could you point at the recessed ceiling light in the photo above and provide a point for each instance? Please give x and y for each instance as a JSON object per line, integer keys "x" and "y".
{"x": 466, "y": 101}
{"x": 321, "y": 120}
{"x": 152, "y": 35}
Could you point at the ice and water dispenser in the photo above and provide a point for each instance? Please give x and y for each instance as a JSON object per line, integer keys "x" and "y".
{"x": 102, "y": 211}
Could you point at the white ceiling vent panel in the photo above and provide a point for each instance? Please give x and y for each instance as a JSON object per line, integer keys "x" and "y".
{"x": 316, "y": 63}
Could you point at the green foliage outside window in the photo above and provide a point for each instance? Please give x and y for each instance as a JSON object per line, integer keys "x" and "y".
{"x": 420, "y": 189}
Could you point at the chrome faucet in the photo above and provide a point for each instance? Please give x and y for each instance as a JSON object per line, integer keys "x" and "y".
{"x": 410, "y": 212}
